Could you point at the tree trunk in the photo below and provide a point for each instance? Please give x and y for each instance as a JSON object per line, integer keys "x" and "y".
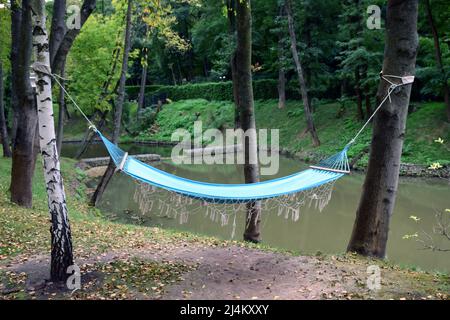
{"x": 23, "y": 100}
{"x": 205, "y": 67}
{"x": 247, "y": 113}
{"x": 123, "y": 75}
{"x": 66, "y": 112}
{"x": 358, "y": 95}
{"x": 61, "y": 240}
{"x": 25, "y": 117}
{"x": 118, "y": 109}
{"x": 58, "y": 28}
{"x": 89, "y": 134}
{"x": 143, "y": 82}
{"x": 281, "y": 70}
{"x": 438, "y": 56}
{"x": 368, "y": 106}
{"x": 235, "y": 81}
{"x": 281, "y": 88}
{"x": 174, "y": 79}
{"x": 301, "y": 79}
{"x": 371, "y": 227}
{"x": 62, "y": 107}
{"x": 59, "y": 52}
{"x": 3, "y": 127}
{"x": 231, "y": 13}
{"x": 180, "y": 74}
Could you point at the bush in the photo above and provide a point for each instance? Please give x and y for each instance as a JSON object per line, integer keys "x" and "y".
{"x": 182, "y": 114}
{"x": 129, "y": 111}
{"x": 133, "y": 91}
{"x": 213, "y": 91}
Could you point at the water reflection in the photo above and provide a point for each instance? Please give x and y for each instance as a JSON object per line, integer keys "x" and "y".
{"x": 327, "y": 231}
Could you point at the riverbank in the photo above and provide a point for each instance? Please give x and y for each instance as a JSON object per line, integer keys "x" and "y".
{"x": 122, "y": 261}
{"x": 336, "y": 125}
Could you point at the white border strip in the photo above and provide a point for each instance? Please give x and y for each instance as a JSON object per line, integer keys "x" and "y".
{"x": 122, "y": 163}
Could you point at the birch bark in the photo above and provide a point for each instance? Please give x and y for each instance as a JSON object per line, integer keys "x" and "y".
{"x": 61, "y": 240}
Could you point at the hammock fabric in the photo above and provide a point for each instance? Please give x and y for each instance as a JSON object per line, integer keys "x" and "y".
{"x": 325, "y": 172}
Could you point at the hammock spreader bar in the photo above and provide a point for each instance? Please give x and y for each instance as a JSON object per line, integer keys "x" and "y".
{"x": 326, "y": 171}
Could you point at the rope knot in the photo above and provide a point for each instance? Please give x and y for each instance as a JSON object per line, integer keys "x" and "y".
{"x": 40, "y": 67}
{"x": 405, "y": 80}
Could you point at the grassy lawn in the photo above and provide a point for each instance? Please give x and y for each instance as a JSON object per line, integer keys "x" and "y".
{"x": 424, "y": 126}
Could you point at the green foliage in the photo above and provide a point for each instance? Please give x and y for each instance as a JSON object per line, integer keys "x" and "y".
{"x": 211, "y": 40}
{"x": 129, "y": 112}
{"x": 5, "y": 36}
{"x": 159, "y": 17}
{"x": 90, "y": 59}
{"x": 147, "y": 118}
{"x": 361, "y": 49}
{"x": 424, "y": 126}
{"x": 133, "y": 91}
{"x": 427, "y": 71}
{"x": 182, "y": 114}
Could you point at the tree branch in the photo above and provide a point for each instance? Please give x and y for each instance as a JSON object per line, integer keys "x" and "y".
{"x": 69, "y": 37}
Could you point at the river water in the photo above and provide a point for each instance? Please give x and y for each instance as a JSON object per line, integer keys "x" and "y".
{"x": 327, "y": 231}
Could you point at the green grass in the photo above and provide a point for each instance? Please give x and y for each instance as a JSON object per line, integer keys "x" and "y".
{"x": 213, "y": 114}
{"x": 424, "y": 126}
{"x": 25, "y": 231}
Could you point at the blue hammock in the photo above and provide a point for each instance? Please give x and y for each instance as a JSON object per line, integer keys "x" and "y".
{"x": 326, "y": 171}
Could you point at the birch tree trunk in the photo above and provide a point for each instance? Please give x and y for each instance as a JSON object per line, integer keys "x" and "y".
{"x": 22, "y": 97}
{"x": 301, "y": 78}
{"x": 371, "y": 227}
{"x": 3, "y": 128}
{"x": 247, "y": 114}
{"x": 61, "y": 240}
{"x": 118, "y": 109}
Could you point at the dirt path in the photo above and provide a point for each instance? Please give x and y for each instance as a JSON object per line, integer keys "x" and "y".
{"x": 235, "y": 272}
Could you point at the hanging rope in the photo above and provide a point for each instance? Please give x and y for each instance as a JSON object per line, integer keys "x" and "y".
{"x": 45, "y": 69}
{"x": 404, "y": 81}
{"x": 91, "y": 125}
{"x": 287, "y": 194}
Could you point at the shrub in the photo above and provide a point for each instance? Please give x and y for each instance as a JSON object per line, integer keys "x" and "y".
{"x": 263, "y": 89}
